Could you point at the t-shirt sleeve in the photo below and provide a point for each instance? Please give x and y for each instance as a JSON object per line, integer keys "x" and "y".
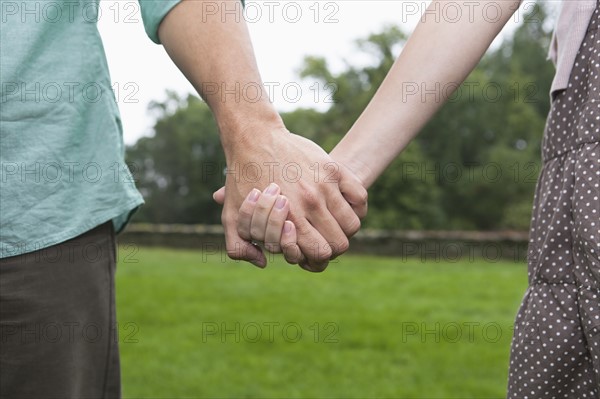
{"x": 153, "y": 12}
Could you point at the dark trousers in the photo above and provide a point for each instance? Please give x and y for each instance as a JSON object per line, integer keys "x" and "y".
{"x": 58, "y": 335}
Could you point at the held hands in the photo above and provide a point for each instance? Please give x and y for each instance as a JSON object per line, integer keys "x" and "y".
{"x": 263, "y": 218}
{"x": 323, "y": 202}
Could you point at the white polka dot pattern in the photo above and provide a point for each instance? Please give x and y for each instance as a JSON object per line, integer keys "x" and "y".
{"x": 556, "y": 347}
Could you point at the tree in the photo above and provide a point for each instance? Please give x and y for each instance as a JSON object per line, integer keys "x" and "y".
{"x": 178, "y": 168}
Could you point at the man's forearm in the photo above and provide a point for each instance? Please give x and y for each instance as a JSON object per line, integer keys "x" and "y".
{"x": 214, "y": 51}
{"x": 439, "y": 54}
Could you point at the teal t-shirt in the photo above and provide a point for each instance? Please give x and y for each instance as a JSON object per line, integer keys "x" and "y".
{"x": 62, "y": 169}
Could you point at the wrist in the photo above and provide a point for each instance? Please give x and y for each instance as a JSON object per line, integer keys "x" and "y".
{"x": 243, "y": 129}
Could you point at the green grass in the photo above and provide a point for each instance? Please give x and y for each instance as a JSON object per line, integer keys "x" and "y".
{"x": 387, "y": 328}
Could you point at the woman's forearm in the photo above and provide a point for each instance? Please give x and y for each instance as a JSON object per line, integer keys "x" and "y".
{"x": 436, "y": 59}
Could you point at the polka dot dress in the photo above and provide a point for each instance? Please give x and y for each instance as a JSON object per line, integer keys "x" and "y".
{"x": 556, "y": 346}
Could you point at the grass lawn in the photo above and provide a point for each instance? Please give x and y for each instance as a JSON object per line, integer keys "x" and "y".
{"x": 199, "y": 326}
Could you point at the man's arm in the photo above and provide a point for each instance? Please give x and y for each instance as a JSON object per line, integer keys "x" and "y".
{"x": 215, "y": 53}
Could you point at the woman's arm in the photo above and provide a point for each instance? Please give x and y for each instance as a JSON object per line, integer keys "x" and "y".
{"x": 439, "y": 55}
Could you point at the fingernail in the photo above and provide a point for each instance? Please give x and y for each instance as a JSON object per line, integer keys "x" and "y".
{"x": 271, "y": 189}
{"x": 280, "y": 203}
{"x": 287, "y": 226}
{"x": 253, "y": 195}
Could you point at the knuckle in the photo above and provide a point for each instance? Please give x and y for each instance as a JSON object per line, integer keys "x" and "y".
{"x": 334, "y": 173}
{"x": 234, "y": 252}
{"x": 244, "y": 233}
{"x": 245, "y": 213}
{"x": 363, "y": 197}
{"x": 291, "y": 259}
{"x": 274, "y": 221}
{"x": 243, "y": 230}
{"x": 274, "y": 248}
{"x": 301, "y": 223}
{"x": 342, "y": 246}
{"x": 224, "y": 218}
{"x": 292, "y": 253}
{"x": 228, "y": 218}
{"x": 256, "y": 233}
{"x": 353, "y": 227}
{"x": 262, "y": 207}
{"x": 360, "y": 210}
{"x": 362, "y": 203}
{"x": 323, "y": 255}
{"x": 311, "y": 199}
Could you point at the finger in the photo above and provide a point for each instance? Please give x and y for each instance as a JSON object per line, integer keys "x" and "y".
{"x": 291, "y": 250}
{"x": 264, "y": 205}
{"x": 219, "y": 196}
{"x": 275, "y": 224}
{"x": 358, "y": 202}
{"x": 246, "y": 212}
{"x": 313, "y": 245}
{"x": 356, "y": 195}
{"x": 344, "y": 215}
{"x": 336, "y": 241}
{"x": 238, "y": 248}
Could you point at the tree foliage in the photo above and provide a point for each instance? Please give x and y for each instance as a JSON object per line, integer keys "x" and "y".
{"x": 178, "y": 168}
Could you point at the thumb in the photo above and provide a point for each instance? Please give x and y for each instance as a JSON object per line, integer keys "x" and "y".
{"x": 219, "y": 196}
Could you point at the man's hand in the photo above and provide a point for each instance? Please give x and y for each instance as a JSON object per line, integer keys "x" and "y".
{"x": 325, "y": 200}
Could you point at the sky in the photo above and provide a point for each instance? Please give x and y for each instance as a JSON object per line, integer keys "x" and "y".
{"x": 283, "y": 33}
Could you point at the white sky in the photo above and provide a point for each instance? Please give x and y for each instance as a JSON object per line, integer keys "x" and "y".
{"x": 283, "y": 32}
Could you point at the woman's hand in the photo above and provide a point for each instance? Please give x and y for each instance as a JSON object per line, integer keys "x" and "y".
{"x": 262, "y": 218}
